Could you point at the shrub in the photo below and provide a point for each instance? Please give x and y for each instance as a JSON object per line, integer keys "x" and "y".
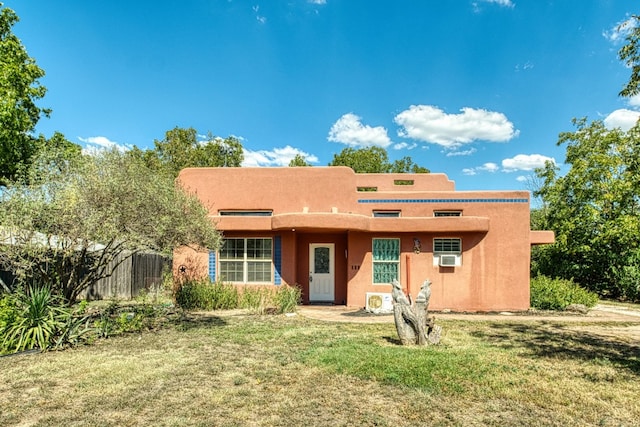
{"x": 8, "y": 315}
{"x": 40, "y": 319}
{"x": 287, "y": 298}
{"x": 204, "y": 295}
{"x": 557, "y": 294}
{"x": 256, "y": 298}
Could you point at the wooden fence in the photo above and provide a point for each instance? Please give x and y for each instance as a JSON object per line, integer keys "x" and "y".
{"x": 142, "y": 271}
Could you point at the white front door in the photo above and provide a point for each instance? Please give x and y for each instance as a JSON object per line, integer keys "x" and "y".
{"x": 321, "y": 272}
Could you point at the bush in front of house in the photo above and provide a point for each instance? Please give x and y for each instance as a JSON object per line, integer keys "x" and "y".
{"x": 287, "y": 298}
{"x": 202, "y": 294}
{"x": 558, "y": 294}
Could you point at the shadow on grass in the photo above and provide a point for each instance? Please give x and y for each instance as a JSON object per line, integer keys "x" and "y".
{"x": 190, "y": 321}
{"x": 553, "y": 340}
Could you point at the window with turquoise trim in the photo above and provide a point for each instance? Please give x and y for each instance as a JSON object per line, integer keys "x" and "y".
{"x": 246, "y": 260}
{"x": 386, "y": 260}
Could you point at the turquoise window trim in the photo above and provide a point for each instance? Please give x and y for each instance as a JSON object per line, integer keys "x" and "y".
{"x": 277, "y": 260}
{"x": 495, "y": 200}
{"x": 212, "y": 266}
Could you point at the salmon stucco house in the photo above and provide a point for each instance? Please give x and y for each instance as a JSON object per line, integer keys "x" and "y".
{"x": 343, "y": 237}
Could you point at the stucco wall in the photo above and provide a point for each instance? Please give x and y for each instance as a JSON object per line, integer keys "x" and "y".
{"x": 322, "y": 205}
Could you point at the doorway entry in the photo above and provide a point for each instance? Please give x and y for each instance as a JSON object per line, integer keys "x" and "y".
{"x": 321, "y": 272}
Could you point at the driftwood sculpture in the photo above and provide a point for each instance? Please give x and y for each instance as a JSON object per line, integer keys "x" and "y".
{"x": 412, "y": 323}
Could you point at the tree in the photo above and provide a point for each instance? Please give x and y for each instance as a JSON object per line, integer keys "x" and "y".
{"x": 363, "y": 160}
{"x": 374, "y": 160}
{"x": 594, "y": 210}
{"x": 20, "y": 89}
{"x": 630, "y": 55}
{"x": 71, "y": 221}
{"x": 406, "y": 165}
{"x": 180, "y": 149}
{"x": 298, "y": 160}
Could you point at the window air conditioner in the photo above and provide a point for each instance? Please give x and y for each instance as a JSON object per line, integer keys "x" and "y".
{"x": 448, "y": 260}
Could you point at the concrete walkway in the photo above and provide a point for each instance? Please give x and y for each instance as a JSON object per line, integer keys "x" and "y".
{"x": 600, "y": 313}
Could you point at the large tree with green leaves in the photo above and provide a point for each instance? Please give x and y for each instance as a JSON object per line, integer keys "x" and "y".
{"x": 630, "y": 55}
{"x": 374, "y": 160}
{"x": 69, "y": 223}
{"x": 595, "y": 211}
{"x": 181, "y": 148}
{"x": 20, "y": 90}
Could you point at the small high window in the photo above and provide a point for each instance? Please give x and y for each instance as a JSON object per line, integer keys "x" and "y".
{"x": 447, "y": 213}
{"x": 386, "y": 214}
{"x": 246, "y": 213}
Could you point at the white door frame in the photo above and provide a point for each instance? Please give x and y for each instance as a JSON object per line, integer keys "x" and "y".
{"x": 322, "y": 285}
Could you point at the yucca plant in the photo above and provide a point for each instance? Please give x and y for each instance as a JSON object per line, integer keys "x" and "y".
{"x": 35, "y": 323}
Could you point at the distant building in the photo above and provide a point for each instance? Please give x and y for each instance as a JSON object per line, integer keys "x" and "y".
{"x": 343, "y": 237}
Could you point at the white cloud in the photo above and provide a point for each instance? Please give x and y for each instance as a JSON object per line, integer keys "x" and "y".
{"x": 521, "y": 162}
{"x": 95, "y": 144}
{"x": 350, "y": 131}
{"x": 401, "y": 145}
{"x": 525, "y": 162}
{"x": 468, "y": 152}
{"x": 524, "y": 67}
{"x": 634, "y": 101}
{"x": 622, "y": 118}
{"x": 505, "y": 3}
{"x": 522, "y": 178}
{"x": 318, "y": 1}
{"x": 430, "y": 124}
{"x": 620, "y": 31}
{"x": 489, "y": 167}
{"x": 275, "y": 157}
{"x": 261, "y": 19}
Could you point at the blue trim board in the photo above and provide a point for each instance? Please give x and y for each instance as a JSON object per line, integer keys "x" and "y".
{"x": 212, "y": 266}
{"x": 443, "y": 200}
{"x": 277, "y": 260}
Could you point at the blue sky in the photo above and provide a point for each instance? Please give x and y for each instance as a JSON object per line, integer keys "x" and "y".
{"x": 476, "y": 89}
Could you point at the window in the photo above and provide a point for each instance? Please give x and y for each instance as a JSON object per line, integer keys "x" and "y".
{"x": 447, "y": 252}
{"x": 386, "y": 214}
{"x": 447, "y": 213}
{"x": 246, "y": 213}
{"x": 246, "y": 260}
{"x": 386, "y": 260}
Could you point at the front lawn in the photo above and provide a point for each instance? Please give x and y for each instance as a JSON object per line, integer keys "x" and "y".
{"x": 238, "y": 369}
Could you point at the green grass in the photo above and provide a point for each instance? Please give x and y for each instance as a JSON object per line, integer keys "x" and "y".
{"x": 237, "y": 369}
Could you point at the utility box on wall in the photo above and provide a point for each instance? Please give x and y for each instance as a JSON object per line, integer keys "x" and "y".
{"x": 379, "y": 302}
